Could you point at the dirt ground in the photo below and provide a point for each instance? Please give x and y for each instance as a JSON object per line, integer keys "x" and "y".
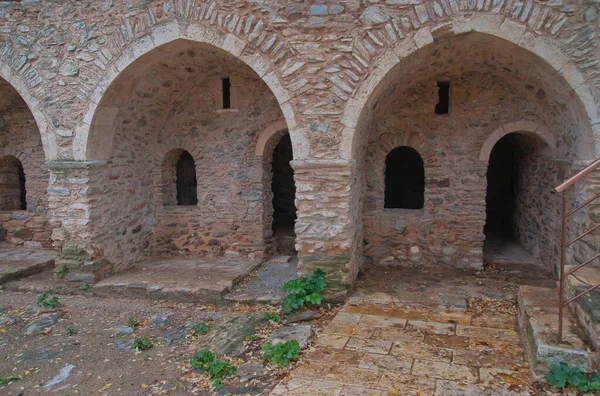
{"x": 102, "y": 367}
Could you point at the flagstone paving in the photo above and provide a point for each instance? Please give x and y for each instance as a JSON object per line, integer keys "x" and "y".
{"x": 371, "y": 349}
{"x": 411, "y": 331}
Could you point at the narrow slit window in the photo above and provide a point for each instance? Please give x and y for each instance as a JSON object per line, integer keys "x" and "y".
{"x": 443, "y": 97}
{"x": 226, "y": 92}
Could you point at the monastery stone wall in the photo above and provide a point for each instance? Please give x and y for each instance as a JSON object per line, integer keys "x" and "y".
{"x": 330, "y": 71}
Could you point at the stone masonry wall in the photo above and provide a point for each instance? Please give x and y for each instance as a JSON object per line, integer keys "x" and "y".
{"x": 329, "y": 66}
{"x": 449, "y": 230}
{"x": 177, "y": 105}
{"x": 20, "y": 141}
{"x": 537, "y": 214}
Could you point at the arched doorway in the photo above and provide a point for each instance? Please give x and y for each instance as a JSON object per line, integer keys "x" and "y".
{"x": 23, "y": 174}
{"x": 184, "y": 113}
{"x": 444, "y": 99}
{"x": 519, "y": 203}
{"x": 284, "y": 192}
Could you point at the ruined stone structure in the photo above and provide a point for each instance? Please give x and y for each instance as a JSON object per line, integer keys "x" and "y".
{"x": 135, "y": 104}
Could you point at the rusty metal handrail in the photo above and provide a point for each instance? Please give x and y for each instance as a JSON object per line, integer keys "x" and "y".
{"x": 564, "y": 244}
{"x": 578, "y": 176}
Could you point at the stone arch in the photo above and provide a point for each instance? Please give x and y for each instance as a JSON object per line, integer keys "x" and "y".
{"x": 518, "y": 126}
{"x": 269, "y": 138}
{"x": 99, "y": 118}
{"x": 48, "y": 139}
{"x": 497, "y": 26}
{"x": 388, "y": 142}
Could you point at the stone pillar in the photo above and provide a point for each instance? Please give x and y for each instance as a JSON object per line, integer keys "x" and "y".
{"x": 328, "y": 227}
{"x": 74, "y": 193}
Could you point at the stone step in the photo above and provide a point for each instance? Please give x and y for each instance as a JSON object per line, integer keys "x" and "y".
{"x": 279, "y": 259}
{"x": 587, "y": 307}
{"x": 538, "y": 323}
{"x": 11, "y": 270}
{"x": 199, "y": 280}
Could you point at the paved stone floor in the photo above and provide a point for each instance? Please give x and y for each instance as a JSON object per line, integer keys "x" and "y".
{"x": 446, "y": 288}
{"x": 422, "y": 332}
{"x": 502, "y": 250}
{"x": 18, "y": 261}
{"x": 265, "y": 284}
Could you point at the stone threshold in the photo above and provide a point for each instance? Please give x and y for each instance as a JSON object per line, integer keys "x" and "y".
{"x": 198, "y": 280}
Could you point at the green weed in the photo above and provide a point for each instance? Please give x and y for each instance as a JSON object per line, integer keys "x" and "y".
{"x": 143, "y": 343}
{"x": 132, "y": 321}
{"x": 10, "y": 378}
{"x": 269, "y": 316}
{"x": 200, "y": 328}
{"x": 562, "y": 376}
{"x": 281, "y": 354}
{"x": 71, "y": 330}
{"x": 304, "y": 291}
{"x": 44, "y": 300}
{"x": 217, "y": 369}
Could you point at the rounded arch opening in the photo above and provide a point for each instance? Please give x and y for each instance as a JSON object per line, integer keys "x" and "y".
{"x": 24, "y": 177}
{"x": 558, "y": 80}
{"x": 94, "y": 137}
{"x": 489, "y": 82}
{"x": 404, "y": 179}
{"x": 168, "y": 100}
{"x": 519, "y": 203}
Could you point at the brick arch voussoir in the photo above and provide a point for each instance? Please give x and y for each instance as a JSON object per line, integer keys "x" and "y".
{"x": 528, "y": 127}
{"x": 48, "y": 138}
{"x": 541, "y": 43}
{"x": 268, "y": 139}
{"x": 412, "y": 140}
{"x": 100, "y": 117}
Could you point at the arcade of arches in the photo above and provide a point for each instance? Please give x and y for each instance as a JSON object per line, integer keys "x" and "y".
{"x": 197, "y": 143}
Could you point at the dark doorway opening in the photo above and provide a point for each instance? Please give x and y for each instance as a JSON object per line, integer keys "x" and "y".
{"x": 284, "y": 193}
{"x": 508, "y": 160}
{"x": 187, "y": 193}
{"x": 501, "y": 194}
{"x": 13, "y": 195}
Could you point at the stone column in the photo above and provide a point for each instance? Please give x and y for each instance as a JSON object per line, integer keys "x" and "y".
{"x": 74, "y": 195}
{"x": 329, "y": 227}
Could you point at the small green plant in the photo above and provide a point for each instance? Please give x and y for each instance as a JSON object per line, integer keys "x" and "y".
{"x": 10, "y": 378}
{"x": 143, "y": 343}
{"x": 60, "y": 270}
{"x": 562, "y": 376}
{"x": 200, "y": 328}
{"x": 250, "y": 338}
{"x": 281, "y": 354}
{"x": 85, "y": 287}
{"x": 44, "y": 300}
{"x": 71, "y": 330}
{"x": 217, "y": 369}
{"x": 304, "y": 291}
{"x": 132, "y": 321}
{"x": 271, "y": 317}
